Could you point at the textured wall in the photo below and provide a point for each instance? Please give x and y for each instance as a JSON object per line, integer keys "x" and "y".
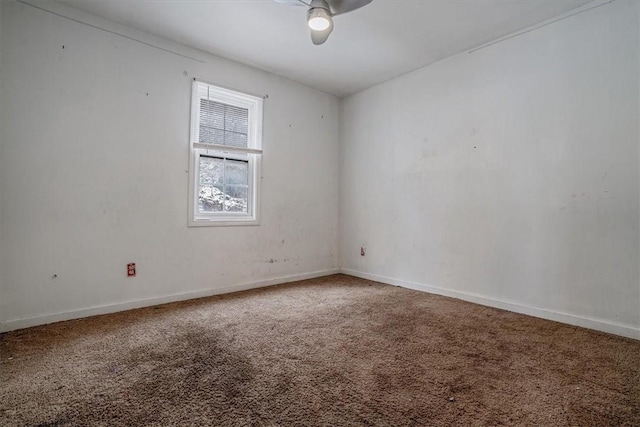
{"x": 509, "y": 174}
{"x": 93, "y": 171}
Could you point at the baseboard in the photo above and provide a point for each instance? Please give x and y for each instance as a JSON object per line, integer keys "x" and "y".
{"x": 14, "y": 324}
{"x": 602, "y": 325}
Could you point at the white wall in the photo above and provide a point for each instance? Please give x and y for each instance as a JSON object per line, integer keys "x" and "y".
{"x": 506, "y": 176}
{"x": 1, "y": 182}
{"x": 93, "y": 173}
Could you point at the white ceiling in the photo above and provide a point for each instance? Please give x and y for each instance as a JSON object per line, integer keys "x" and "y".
{"x": 383, "y": 40}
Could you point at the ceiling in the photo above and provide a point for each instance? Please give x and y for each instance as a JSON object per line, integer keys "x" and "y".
{"x": 383, "y": 40}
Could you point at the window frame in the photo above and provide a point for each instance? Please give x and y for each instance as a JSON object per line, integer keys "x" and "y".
{"x": 252, "y": 154}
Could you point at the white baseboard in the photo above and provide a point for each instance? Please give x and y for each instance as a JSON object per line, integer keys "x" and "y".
{"x": 621, "y": 329}
{"x": 11, "y": 325}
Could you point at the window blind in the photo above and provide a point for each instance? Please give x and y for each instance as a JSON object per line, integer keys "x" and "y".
{"x": 223, "y": 124}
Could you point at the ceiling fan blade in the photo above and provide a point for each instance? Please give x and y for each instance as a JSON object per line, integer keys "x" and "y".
{"x": 338, "y": 7}
{"x": 319, "y": 37}
{"x": 294, "y": 2}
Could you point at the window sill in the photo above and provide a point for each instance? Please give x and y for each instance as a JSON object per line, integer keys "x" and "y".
{"x": 222, "y": 222}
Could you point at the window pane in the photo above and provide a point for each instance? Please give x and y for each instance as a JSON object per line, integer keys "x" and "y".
{"x": 236, "y": 172}
{"x": 223, "y": 185}
{"x": 211, "y": 171}
{"x": 223, "y": 124}
{"x": 236, "y": 198}
{"x": 212, "y": 114}
{"x": 235, "y": 139}
{"x": 209, "y": 135}
{"x": 236, "y": 119}
{"x": 210, "y": 199}
{"x": 236, "y": 185}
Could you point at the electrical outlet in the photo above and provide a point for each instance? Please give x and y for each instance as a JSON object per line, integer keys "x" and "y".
{"x": 131, "y": 269}
{"x": 363, "y": 251}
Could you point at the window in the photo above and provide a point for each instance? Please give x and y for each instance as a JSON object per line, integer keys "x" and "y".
{"x": 226, "y": 148}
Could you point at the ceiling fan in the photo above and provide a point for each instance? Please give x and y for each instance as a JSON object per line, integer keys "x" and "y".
{"x": 321, "y": 12}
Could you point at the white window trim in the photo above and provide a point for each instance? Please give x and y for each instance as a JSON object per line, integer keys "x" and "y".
{"x": 253, "y": 152}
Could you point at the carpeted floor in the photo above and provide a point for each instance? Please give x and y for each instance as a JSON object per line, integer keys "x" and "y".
{"x": 333, "y": 351}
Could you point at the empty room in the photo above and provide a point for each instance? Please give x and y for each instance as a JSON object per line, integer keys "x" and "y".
{"x": 319, "y": 213}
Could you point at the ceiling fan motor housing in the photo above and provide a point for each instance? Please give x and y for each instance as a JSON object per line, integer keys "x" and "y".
{"x": 320, "y": 4}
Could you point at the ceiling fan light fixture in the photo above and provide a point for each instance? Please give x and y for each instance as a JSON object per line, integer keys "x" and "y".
{"x": 321, "y": 12}
{"x": 319, "y": 19}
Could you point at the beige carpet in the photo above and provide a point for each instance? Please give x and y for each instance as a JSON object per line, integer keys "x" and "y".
{"x": 332, "y": 352}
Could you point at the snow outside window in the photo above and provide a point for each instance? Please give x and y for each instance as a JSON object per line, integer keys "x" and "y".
{"x": 226, "y": 149}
